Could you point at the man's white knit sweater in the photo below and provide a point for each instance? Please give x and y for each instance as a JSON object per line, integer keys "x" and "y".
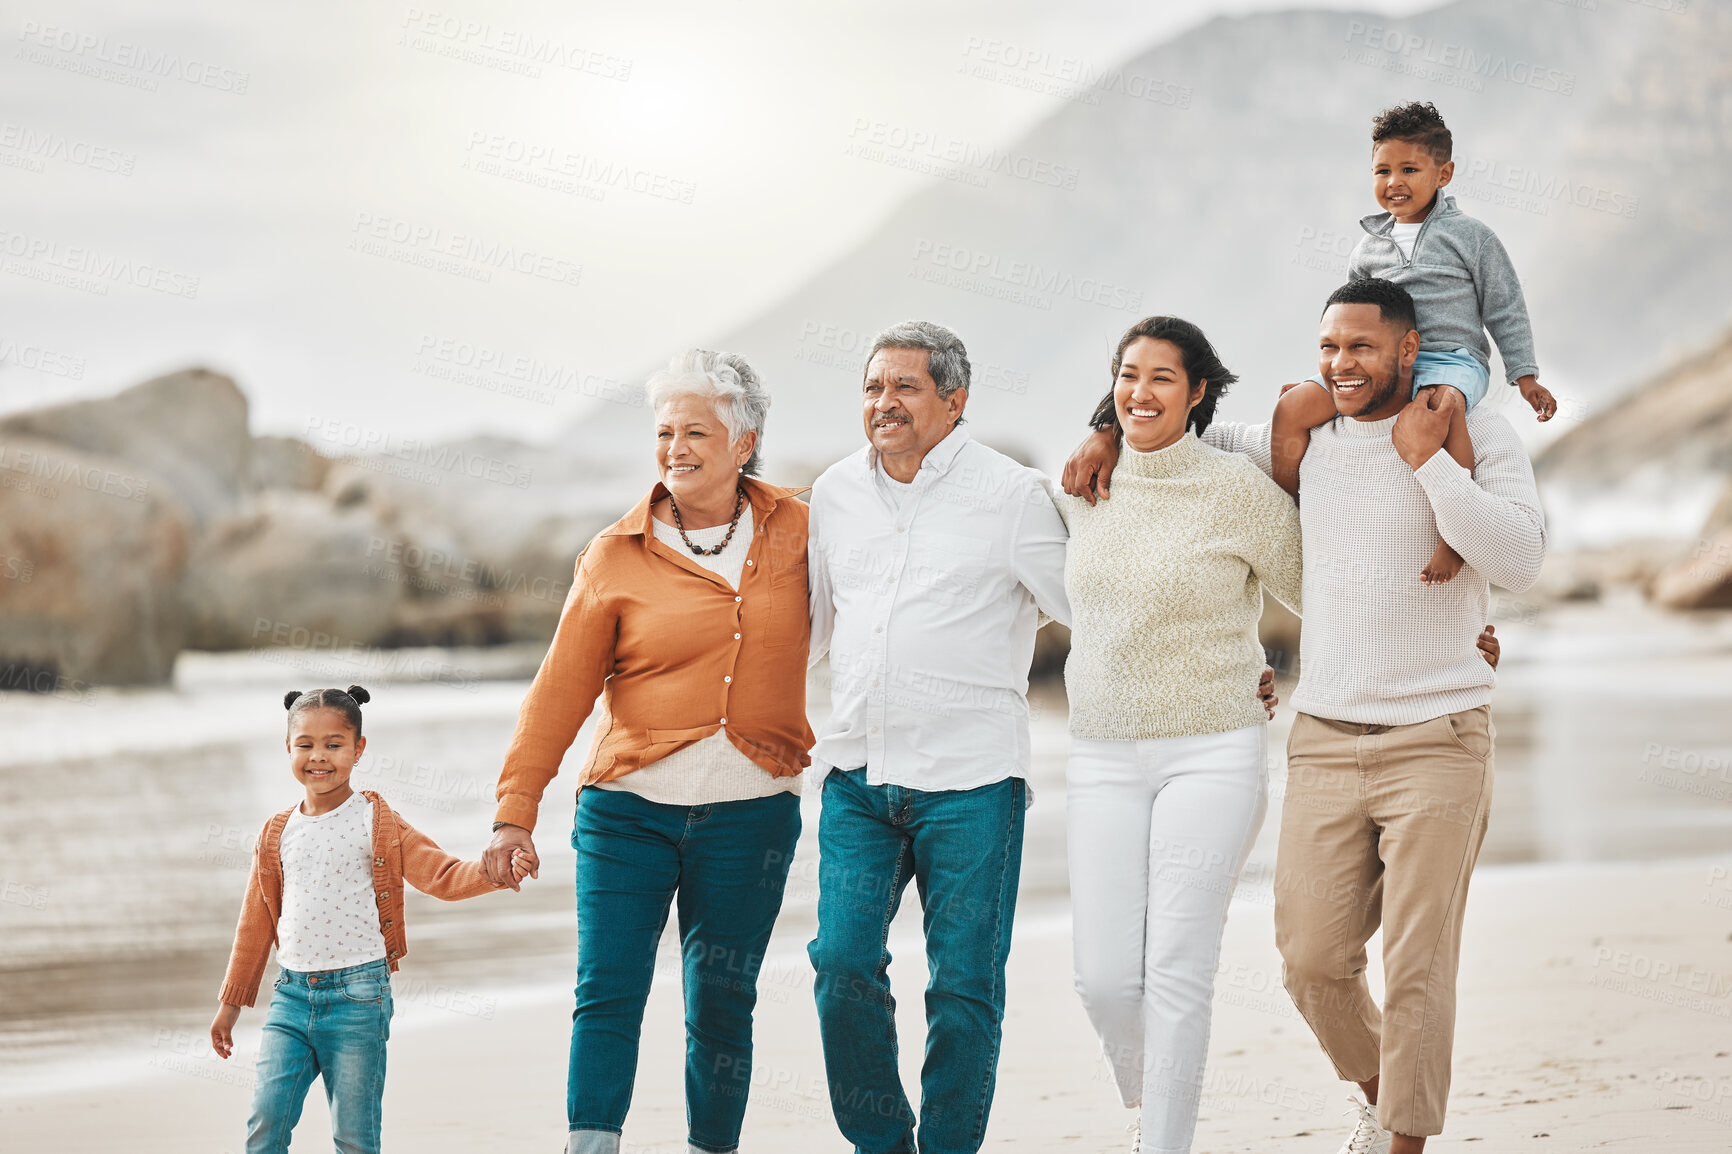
{"x": 1165, "y": 582}
{"x": 1377, "y": 646}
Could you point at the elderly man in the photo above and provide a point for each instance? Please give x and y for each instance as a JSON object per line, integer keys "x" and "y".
{"x": 932, "y": 559}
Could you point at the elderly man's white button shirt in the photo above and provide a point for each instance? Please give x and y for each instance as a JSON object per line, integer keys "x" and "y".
{"x": 927, "y": 601}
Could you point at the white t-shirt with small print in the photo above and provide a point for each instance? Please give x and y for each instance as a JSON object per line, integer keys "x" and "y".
{"x": 330, "y": 916}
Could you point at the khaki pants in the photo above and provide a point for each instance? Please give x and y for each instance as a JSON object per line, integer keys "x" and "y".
{"x": 1382, "y": 825}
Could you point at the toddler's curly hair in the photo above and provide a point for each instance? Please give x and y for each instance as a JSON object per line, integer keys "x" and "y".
{"x": 1419, "y": 122}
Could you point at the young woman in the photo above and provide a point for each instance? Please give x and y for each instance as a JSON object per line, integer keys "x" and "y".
{"x": 1167, "y": 775}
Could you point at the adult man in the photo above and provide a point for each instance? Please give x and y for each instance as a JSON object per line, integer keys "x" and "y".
{"x": 1390, "y": 758}
{"x": 932, "y": 558}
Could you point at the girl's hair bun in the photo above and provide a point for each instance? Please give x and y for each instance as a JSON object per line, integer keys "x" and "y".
{"x": 290, "y": 697}
{"x": 360, "y": 695}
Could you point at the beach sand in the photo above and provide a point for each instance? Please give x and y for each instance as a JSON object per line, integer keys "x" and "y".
{"x": 1572, "y": 1036}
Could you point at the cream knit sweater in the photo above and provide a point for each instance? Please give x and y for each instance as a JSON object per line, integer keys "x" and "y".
{"x": 1166, "y": 586}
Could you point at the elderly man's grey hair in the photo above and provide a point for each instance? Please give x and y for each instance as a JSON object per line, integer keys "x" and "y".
{"x": 742, "y": 402}
{"x": 947, "y": 363}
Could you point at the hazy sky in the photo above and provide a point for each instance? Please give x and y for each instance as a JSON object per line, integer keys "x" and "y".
{"x": 316, "y": 197}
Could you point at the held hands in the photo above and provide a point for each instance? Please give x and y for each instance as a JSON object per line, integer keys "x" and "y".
{"x": 222, "y": 1029}
{"x": 511, "y": 857}
{"x": 1266, "y": 691}
{"x": 1537, "y": 395}
{"x": 1421, "y": 427}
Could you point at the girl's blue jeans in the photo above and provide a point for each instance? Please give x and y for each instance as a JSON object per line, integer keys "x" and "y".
{"x": 331, "y": 1025}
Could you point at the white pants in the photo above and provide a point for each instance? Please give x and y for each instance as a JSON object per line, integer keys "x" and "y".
{"x": 1159, "y": 830}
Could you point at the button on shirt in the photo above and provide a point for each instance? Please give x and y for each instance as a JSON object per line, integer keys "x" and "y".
{"x": 928, "y": 607}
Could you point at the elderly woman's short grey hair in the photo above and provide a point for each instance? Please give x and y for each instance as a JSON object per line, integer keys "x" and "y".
{"x": 741, "y": 400}
{"x": 947, "y": 363}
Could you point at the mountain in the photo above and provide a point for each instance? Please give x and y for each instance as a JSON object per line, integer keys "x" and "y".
{"x": 1221, "y": 175}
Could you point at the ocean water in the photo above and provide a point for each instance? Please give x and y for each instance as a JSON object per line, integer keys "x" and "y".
{"x": 127, "y": 818}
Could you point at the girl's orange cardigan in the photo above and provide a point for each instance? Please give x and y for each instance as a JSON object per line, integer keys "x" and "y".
{"x": 400, "y": 852}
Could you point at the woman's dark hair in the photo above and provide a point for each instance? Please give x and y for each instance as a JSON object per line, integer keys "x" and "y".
{"x": 1196, "y": 354}
{"x": 346, "y": 701}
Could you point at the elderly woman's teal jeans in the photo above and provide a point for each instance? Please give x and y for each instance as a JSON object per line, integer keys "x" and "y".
{"x": 725, "y": 865}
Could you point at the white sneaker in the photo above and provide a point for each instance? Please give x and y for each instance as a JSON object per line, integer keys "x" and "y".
{"x": 1367, "y": 1137}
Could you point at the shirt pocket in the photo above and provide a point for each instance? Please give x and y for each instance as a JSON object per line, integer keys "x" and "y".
{"x": 948, "y": 569}
{"x": 789, "y": 622}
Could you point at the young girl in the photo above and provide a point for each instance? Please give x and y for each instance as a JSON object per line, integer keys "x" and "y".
{"x": 327, "y": 889}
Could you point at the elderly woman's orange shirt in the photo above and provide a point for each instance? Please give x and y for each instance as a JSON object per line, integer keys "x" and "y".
{"x": 674, "y": 653}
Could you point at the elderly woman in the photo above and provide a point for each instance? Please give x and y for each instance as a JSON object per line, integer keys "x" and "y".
{"x": 689, "y": 618}
{"x": 1167, "y": 779}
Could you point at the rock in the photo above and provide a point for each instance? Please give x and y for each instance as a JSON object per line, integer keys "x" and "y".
{"x": 1702, "y": 580}
{"x": 186, "y": 431}
{"x": 1678, "y": 421}
{"x": 289, "y": 561}
{"x": 91, "y": 560}
{"x": 287, "y": 463}
{"x": 1566, "y": 577}
{"x": 480, "y": 559}
{"x": 1720, "y": 517}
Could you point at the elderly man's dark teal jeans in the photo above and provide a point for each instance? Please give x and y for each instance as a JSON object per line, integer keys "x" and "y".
{"x": 963, "y": 849}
